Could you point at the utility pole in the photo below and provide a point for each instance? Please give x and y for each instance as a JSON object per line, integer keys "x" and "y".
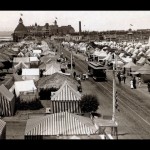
{"x": 71, "y": 58}
{"x": 71, "y": 61}
{"x": 114, "y": 87}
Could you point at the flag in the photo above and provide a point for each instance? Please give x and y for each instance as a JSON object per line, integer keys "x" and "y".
{"x": 116, "y": 102}
{"x": 131, "y": 25}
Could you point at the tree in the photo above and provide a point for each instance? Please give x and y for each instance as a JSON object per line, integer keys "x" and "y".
{"x": 89, "y": 103}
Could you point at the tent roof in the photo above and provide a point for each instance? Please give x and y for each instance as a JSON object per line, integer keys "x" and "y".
{"x": 31, "y": 71}
{"x": 6, "y": 93}
{"x": 2, "y": 125}
{"x": 130, "y": 65}
{"x": 36, "y": 51}
{"x": 63, "y": 123}
{"x": 21, "y": 59}
{"x": 21, "y": 65}
{"x": 56, "y": 80}
{"x": 17, "y": 77}
{"x": 24, "y": 86}
{"x": 8, "y": 82}
{"x": 51, "y": 70}
{"x": 141, "y": 61}
{"x": 34, "y": 59}
{"x": 127, "y": 59}
{"x": 66, "y": 92}
{"x": 144, "y": 69}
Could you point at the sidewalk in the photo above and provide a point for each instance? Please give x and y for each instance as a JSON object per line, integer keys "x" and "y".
{"x": 143, "y": 89}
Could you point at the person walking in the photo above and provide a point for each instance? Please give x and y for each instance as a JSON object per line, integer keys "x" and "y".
{"x": 124, "y": 78}
{"x": 119, "y": 77}
{"x": 131, "y": 83}
{"x": 74, "y": 74}
{"x": 139, "y": 82}
{"x": 148, "y": 86}
{"x": 124, "y": 70}
{"x": 134, "y": 82}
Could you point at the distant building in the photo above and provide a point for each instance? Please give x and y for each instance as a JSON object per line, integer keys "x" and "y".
{"x": 22, "y": 31}
{"x": 69, "y": 37}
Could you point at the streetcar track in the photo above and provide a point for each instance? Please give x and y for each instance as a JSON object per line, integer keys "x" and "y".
{"x": 110, "y": 95}
{"x": 131, "y": 100}
{"x": 129, "y": 107}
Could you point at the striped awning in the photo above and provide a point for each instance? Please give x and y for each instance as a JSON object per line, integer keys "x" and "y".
{"x": 2, "y": 125}
{"x": 66, "y": 93}
{"x": 63, "y": 123}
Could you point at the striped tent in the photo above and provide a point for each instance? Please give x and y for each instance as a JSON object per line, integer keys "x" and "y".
{"x": 2, "y": 129}
{"x": 7, "y": 102}
{"x": 59, "y": 124}
{"x": 66, "y": 99}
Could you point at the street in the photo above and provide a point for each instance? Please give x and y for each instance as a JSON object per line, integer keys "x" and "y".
{"x": 133, "y": 118}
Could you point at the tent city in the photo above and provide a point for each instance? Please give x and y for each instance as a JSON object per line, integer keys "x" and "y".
{"x": 75, "y": 75}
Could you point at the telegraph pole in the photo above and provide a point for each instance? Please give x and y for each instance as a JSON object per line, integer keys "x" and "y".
{"x": 71, "y": 58}
{"x": 114, "y": 87}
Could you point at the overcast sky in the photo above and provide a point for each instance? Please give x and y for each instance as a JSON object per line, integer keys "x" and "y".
{"x": 90, "y": 20}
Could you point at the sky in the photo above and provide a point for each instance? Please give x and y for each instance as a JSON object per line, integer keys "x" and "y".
{"x": 90, "y": 20}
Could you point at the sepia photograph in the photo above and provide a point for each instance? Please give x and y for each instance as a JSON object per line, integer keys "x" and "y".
{"x": 74, "y": 75}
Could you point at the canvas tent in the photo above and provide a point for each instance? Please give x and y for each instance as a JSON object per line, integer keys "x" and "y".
{"x": 31, "y": 74}
{"x": 34, "y": 59}
{"x": 145, "y": 72}
{"x": 130, "y": 65}
{"x": 2, "y": 130}
{"x": 25, "y": 60}
{"x": 20, "y": 65}
{"x": 7, "y": 101}
{"x": 66, "y": 99}
{"x": 24, "y": 86}
{"x": 59, "y": 124}
{"x": 55, "y": 81}
{"x": 51, "y": 70}
{"x": 141, "y": 61}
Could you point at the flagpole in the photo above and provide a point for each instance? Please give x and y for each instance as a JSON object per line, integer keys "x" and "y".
{"x": 114, "y": 87}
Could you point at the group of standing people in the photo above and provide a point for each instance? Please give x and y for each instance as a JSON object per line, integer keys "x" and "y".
{"x": 121, "y": 77}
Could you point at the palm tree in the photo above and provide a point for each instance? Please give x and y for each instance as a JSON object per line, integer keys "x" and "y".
{"x": 89, "y": 103}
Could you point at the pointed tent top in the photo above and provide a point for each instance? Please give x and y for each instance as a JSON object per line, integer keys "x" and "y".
{"x": 144, "y": 69}
{"x": 71, "y": 93}
{"x": 129, "y": 65}
{"x": 74, "y": 127}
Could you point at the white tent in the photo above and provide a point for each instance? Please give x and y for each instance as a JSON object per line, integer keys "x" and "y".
{"x": 130, "y": 65}
{"x": 31, "y": 74}
{"x": 141, "y": 61}
{"x": 118, "y": 63}
{"x": 36, "y": 51}
{"x": 127, "y": 59}
{"x": 33, "y": 59}
{"x": 31, "y": 71}
{"x": 24, "y": 86}
{"x": 51, "y": 70}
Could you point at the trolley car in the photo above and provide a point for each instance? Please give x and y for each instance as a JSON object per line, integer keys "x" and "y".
{"x": 97, "y": 71}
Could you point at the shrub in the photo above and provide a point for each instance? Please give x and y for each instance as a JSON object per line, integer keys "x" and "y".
{"x": 89, "y": 103}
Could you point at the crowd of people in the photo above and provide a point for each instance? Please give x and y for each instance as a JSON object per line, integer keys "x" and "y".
{"x": 134, "y": 81}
